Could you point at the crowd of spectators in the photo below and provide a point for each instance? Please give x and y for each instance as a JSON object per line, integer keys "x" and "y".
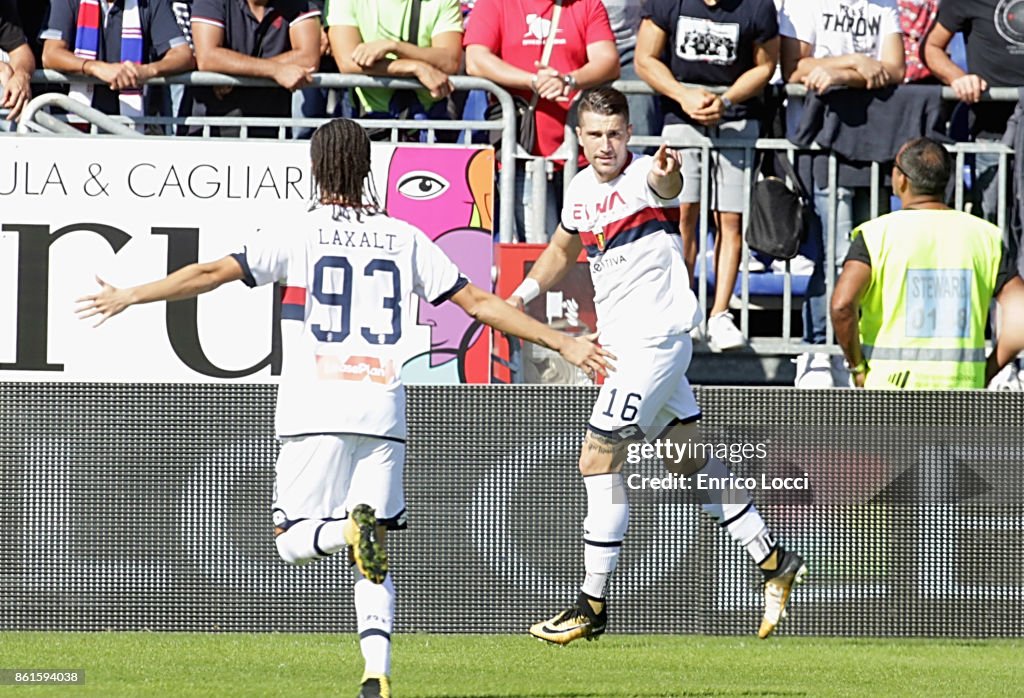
{"x": 730, "y": 52}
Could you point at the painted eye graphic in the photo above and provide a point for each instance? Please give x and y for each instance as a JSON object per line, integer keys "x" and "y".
{"x": 422, "y": 186}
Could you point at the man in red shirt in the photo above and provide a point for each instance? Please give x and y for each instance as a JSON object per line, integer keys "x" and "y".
{"x": 916, "y": 20}
{"x": 505, "y": 42}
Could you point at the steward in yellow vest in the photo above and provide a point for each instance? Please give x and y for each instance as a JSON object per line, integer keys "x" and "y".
{"x": 921, "y": 280}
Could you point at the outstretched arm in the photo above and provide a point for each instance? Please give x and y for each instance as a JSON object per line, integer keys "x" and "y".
{"x": 187, "y": 282}
{"x": 491, "y": 310}
{"x": 556, "y": 259}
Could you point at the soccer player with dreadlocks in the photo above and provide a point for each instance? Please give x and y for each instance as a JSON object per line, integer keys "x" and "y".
{"x": 349, "y": 273}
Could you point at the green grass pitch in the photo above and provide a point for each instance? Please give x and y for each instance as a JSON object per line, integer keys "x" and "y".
{"x": 469, "y": 666}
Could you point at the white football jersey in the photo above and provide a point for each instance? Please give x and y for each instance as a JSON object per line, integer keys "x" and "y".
{"x": 348, "y": 295}
{"x": 641, "y": 288}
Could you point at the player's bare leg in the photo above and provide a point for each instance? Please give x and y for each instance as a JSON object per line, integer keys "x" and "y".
{"x": 734, "y": 510}
{"x": 603, "y": 530}
{"x": 689, "y": 216}
{"x": 723, "y": 334}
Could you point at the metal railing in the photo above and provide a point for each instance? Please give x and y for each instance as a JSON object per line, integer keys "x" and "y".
{"x": 568, "y": 153}
{"x": 506, "y": 125}
{"x": 786, "y": 344}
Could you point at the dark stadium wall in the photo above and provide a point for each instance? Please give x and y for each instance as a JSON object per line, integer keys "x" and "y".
{"x": 146, "y": 506}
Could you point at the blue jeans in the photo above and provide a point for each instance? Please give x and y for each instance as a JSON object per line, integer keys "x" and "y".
{"x": 524, "y": 195}
{"x": 985, "y": 183}
{"x": 312, "y": 103}
{"x": 853, "y": 208}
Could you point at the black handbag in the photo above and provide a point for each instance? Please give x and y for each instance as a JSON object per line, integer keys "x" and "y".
{"x": 525, "y": 120}
{"x": 779, "y": 216}
{"x": 526, "y": 112}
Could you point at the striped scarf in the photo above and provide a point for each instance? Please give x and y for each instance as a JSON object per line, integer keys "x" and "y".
{"x": 87, "y": 43}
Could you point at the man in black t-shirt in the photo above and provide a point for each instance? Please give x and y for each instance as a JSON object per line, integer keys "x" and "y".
{"x": 16, "y": 62}
{"x": 732, "y": 44}
{"x": 278, "y": 39}
{"x": 994, "y": 34}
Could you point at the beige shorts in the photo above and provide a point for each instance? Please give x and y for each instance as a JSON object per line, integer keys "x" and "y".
{"x": 727, "y": 166}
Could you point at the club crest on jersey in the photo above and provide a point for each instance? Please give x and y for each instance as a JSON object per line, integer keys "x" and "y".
{"x": 599, "y": 236}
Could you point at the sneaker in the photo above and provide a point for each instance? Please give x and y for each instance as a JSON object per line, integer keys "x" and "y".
{"x": 798, "y": 266}
{"x": 1009, "y": 378}
{"x": 579, "y": 620}
{"x": 778, "y": 585}
{"x": 375, "y": 687}
{"x": 755, "y": 265}
{"x": 841, "y": 376}
{"x": 814, "y": 370}
{"x": 361, "y": 534}
{"x": 723, "y": 334}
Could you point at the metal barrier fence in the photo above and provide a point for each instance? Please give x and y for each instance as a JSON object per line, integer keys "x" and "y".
{"x": 911, "y": 516}
{"x": 784, "y": 343}
{"x": 506, "y": 125}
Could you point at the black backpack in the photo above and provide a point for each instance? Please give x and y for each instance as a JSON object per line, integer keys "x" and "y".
{"x": 779, "y": 216}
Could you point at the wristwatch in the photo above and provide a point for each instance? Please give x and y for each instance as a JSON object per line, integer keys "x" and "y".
{"x": 726, "y": 102}
{"x": 570, "y": 81}
{"x": 857, "y": 369}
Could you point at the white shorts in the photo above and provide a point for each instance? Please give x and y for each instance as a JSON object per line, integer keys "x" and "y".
{"x": 325, "y": 476}
{"x": 648, "y": 388}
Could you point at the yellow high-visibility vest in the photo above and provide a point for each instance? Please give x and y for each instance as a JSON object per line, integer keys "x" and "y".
{"x": 923, "y": 314}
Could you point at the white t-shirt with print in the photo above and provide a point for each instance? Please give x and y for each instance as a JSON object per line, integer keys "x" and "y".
{"x": 837, "y": 28}
{"x": 840, "y": 27}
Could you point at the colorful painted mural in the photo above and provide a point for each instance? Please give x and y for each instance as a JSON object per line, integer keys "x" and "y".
{"x": 450, "y": 198}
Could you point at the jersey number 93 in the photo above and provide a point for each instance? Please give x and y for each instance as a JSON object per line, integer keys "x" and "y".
{"x": 340, "y": 301}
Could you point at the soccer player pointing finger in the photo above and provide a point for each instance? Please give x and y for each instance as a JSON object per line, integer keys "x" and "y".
{"x": 624, "y": 211}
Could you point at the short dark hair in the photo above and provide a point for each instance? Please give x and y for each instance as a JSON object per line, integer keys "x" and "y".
{"x": 927, "y": 165}
{"x": 340, "y": 150}
{"x": 604, "y": 101}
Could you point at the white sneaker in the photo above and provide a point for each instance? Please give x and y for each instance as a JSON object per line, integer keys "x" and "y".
{"x": 841, "y": 376}
{"x": 1008, "y": 378}
{"x": 723, "y": 334}
{"x": 798, "y": 266}
{"x": 755, "y": 265}
{"x": 814, "y": 371}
